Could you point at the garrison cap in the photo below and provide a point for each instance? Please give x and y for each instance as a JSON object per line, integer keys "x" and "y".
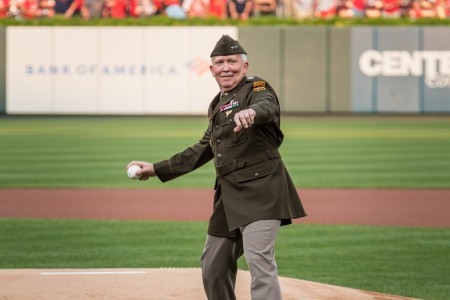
{"x": 227, "y": 46}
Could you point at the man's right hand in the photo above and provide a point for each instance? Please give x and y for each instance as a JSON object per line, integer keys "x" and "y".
{"x": 147, "y": 169}
{"x": 244, "y": 119}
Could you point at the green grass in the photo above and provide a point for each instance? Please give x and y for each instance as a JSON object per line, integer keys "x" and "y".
{"x": 406, "y": 261}
{"x": 320, "y": 152}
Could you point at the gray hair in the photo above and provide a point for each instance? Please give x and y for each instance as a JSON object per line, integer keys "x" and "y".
{"x": 243, "y": 56}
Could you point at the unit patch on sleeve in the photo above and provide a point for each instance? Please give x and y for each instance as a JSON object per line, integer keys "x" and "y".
{"x": 259, "y": 86}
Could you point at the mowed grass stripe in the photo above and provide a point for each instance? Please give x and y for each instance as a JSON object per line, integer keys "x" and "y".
{"x": 369, "y": 163}
{"x": 404, "y": 261}
{"x": 371, "y": 152}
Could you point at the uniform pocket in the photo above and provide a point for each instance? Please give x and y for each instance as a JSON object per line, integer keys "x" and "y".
{"x": 233, "y": 138}
{"x": 256, "y": 171}
{"x": 237, "y": 138}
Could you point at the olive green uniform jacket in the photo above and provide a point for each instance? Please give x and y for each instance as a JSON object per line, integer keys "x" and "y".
{"x": 252, "y": 182}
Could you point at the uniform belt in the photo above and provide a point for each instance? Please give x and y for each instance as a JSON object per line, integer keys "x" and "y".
{"x": 247, "y": 161}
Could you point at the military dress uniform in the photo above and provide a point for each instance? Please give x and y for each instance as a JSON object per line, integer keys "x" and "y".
{"x": 251, "y": 185}
{"x": 252, "y": 182}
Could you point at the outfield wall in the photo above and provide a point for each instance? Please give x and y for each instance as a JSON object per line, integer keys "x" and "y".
{"x": 356, "y": 69}
{"x": 165, "y": 70}
{"x": 2, "y": 70}
{"x": 110, "y": 70}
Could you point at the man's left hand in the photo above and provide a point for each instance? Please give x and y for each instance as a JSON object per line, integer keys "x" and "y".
{"x": 244, "y": 119}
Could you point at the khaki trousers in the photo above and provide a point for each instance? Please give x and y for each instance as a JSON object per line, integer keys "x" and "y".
{"x": 220, "y": 256}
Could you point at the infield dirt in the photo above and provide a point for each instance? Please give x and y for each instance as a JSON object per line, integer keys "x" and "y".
{"x": 421, "y": 208}
{"x": 152, "y": 284}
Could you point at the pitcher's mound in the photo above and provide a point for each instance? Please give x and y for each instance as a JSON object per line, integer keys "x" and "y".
{"x": 157, "y": 284}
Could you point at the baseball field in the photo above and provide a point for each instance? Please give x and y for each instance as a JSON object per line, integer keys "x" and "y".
{"x": 375, "y": 157}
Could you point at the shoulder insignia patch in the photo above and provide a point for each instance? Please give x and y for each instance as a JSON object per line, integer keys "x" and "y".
{"x": 259, "y": 86}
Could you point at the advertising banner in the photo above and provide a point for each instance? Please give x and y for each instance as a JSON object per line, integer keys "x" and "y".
{"x": 436, "y": 74}
{"x": 110, "y": 70}
{"x": 2, "y": 70}
{"x": 401, "y": 69}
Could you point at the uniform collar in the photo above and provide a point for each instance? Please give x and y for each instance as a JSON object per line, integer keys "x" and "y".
{"x": 214, "y": 107}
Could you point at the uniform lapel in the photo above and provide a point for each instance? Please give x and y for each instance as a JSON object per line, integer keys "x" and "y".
{"x": 212, "y": 106}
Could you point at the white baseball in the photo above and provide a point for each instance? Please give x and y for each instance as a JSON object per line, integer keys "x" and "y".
{"x": 131, "y": 172}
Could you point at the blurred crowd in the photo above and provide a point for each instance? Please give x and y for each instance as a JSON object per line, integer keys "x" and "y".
{"x": 233, "y": 9}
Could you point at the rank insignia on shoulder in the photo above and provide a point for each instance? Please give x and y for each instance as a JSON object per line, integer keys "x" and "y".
{"x": 259, "y": 86}
{"x": 259, "y": 83}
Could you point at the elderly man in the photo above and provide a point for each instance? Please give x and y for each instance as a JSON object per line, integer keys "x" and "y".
{"x": 254, "y": 194}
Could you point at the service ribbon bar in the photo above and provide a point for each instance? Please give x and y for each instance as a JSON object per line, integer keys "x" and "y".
{"x": 230, "y": 105}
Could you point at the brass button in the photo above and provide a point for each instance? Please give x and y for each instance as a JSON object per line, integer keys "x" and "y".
{"x": 219, "y": 155}
{"x": 218, "y": 141}
{"x": 256, "y": 174}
